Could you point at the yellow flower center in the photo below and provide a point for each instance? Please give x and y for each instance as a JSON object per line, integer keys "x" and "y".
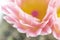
{"x": 58, "y": 12}
{"x": 36, "y": 8}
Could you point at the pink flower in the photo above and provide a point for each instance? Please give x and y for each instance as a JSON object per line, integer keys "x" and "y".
{"x": 31, "y": 17}
{"x": 56, "y": 19}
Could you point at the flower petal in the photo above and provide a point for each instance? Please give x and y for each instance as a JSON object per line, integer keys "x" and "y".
{"x": 56, "y": 29}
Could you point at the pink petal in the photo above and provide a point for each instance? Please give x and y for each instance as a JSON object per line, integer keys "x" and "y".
{"x": 56, "y": 30}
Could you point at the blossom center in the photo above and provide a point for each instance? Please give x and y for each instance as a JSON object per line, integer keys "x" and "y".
{"x": 36, "y": 8}
{"x": 58, "y": 12}
{"x": 35, "y": 13}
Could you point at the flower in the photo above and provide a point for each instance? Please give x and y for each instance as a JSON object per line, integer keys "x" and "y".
{"x": 31, "y": 17}
{"x": 56, "y": 19}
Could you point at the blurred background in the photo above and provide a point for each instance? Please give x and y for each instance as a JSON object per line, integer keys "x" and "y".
{"x": 7, "y": 32}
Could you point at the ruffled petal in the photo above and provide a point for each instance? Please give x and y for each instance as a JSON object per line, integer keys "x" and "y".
{"x": 56, "y": 29}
